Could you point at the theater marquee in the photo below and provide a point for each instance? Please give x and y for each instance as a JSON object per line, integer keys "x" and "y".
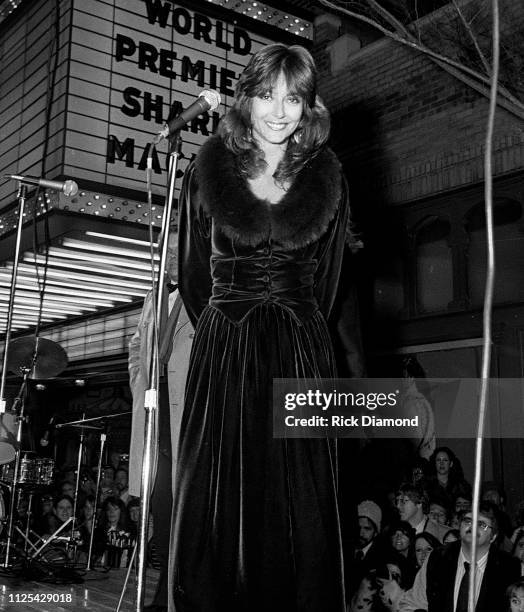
{"x": 134, "y": 63}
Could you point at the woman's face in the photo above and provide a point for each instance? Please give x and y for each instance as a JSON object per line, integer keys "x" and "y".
{"x": 400, "y": 541}
{"x": 88, "y": 511}
{"x": 519, "y": 549}
{"x": 113, "y": 513}
{"x": 442, "y": 463}
{"x": 64, "y": 509}
{"x": 516, "y": 603}
{"x": 437, "y": 513}
{"x": 422, "y": 550}
{"x": 275, "y": 115}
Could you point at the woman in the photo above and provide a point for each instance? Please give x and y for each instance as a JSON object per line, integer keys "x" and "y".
{"x": 425, "y": 543}
{"x": 114, "y": 532}
{"x": 402, "y": 537}
{"x": 446, "y": 477}
{"x": 518, "y": 549}
{"x": 515, "y": 596}
{"x": 62, "y": 512}
{"x": 263, "y": 220}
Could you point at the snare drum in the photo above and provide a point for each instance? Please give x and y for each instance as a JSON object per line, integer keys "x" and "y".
{"x": 28, "y": 469}
{"x": 45, "y": 469}
{"x": 8, "y": 422}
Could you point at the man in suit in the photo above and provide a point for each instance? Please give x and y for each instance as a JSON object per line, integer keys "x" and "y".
{"x": 441, "y": 585}
{"x": 175, "y": 338}
{"x": 412, "y": 504}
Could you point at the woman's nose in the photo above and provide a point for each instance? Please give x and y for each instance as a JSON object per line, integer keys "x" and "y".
{"x": 278, "y": 108}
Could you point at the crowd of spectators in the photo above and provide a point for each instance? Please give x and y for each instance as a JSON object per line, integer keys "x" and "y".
{"x": 413, "y": 551}
{"x": 106, "y": 523}
{"x": 402, "y": 545}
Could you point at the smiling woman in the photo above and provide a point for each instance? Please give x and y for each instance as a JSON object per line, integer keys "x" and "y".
{"x": 263, "y": 222}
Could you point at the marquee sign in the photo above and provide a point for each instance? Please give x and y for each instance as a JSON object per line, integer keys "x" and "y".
{"x": 134, "y": 63}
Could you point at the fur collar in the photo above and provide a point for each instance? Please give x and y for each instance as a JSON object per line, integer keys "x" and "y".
{"x": 300, "y": 218}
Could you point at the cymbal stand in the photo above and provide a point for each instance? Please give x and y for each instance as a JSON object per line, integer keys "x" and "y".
{"x": 20, "y": 399}
{"x": 103, "y": 437}
{"x": 77, "y": 483}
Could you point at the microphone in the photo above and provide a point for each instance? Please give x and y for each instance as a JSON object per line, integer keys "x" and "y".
{"x": 70, "y": 188}
{"x": 209, "y": 99}
{"x": 44, "y": 440}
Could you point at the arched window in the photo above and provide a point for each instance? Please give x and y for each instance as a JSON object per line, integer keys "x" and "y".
{"x": 509, "y": 252}
{"x": 434, "y": 268}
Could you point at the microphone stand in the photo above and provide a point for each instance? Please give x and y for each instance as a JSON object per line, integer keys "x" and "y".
{"x": 103, "y": 437}
{"x": 151, "y": 397}
{"x": 22, "y": 195}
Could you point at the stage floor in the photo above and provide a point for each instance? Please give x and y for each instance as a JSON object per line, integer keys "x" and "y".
{"x": 100, "y": 592}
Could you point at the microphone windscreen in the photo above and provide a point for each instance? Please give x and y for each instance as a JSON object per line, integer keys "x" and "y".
{"x": 70, "y": 188}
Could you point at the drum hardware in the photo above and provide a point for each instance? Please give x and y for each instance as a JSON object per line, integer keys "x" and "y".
{"x": 30, "y": 357}
{"x": 89, "y": 425}
{"x": 42, "y": 358}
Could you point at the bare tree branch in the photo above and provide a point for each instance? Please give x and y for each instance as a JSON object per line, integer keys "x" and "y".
{"x": 399, "y": 27}
{"x": 473, "y": 38}
{"x": 468, "y": 76}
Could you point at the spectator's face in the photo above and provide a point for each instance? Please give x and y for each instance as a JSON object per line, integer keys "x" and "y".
{"x": 112, "y": 514}
{"x": 519, "y": 549}
{"x": 422, "y": 550}
{"x": 492, "y": 496}
{"x": 68, "y": 489}
{"x": 400, "y": 541}
{"x": 407, "y": 508}
{"x": 437, "y": 513}
{"x": 485, "y": 533}
{"x": 70, "y": 475}
{"x": 516, "y": 602}
{"x": 107, "y": 477}
{"x": 105, "y": 492}
{"x": 462, "y": 504}
{"x": 47, "y": 505}
{"x": 134, "y": 514}
{"x": 64, "y": 510}
{"x": 120, "y": 480}
{"x": 449, "y": 537}
{"x": 442, "y": 463}
{"x": 366, "y": 531}
{"x": 88, "y": 511}
{"x": 87, "y": 485}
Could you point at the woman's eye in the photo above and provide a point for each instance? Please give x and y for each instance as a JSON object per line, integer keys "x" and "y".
{"x": 266, "y": 96}
{"x": 294, "y": 99}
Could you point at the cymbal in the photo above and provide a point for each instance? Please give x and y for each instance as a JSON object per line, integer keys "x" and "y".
{"x": 51, "y": 358}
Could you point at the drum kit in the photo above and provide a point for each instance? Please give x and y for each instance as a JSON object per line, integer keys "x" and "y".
{"x": 23, "y": 474}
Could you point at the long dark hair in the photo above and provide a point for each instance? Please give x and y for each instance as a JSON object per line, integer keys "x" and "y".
{"x": 259, "y": 77}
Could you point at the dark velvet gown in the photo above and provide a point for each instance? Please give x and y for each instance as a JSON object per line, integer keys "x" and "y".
{"x": 256, "y": 523}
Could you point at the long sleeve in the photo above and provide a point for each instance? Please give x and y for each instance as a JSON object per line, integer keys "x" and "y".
{"x": 194, "y": 249}
{"x": 331, "y": 253}
{"x": 138, "y": 359}
{"x": 416, "y": 598}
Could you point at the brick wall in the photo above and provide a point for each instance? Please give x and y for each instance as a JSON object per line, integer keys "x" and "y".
{"x": 406, "y": 128}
